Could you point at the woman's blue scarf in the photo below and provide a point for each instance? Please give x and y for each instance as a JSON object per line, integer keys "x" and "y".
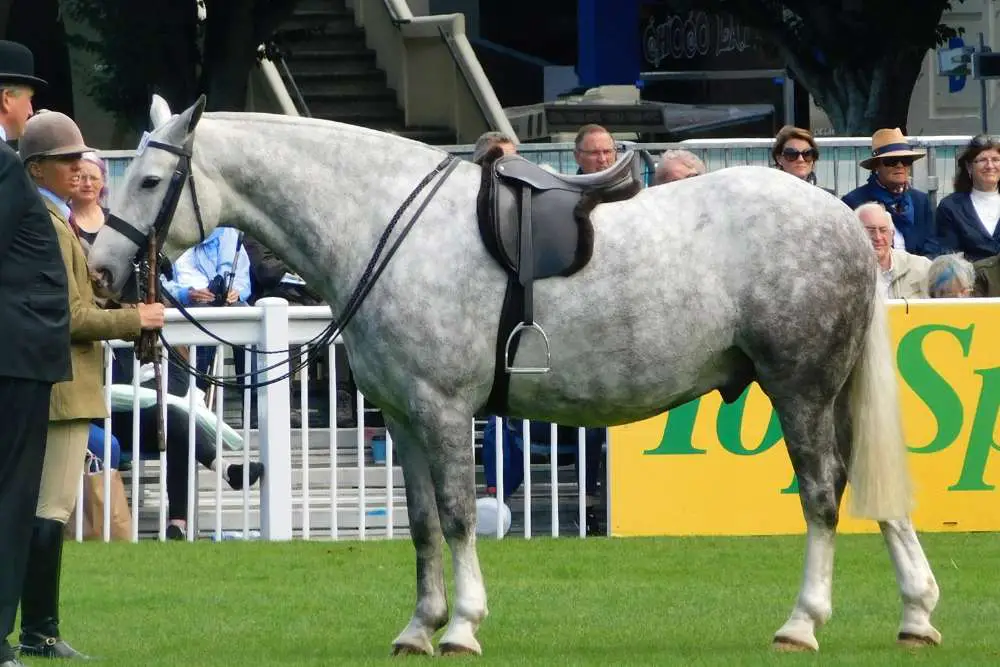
{"x": 900, "y": 205}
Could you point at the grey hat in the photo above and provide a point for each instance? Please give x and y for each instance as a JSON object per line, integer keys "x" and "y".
{"x": 51, "y": 134}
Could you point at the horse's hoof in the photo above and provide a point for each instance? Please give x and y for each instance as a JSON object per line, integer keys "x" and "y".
{"x": 409, "y": 649}
{"x": 790, "y": 645}
{"x": 450, "y": 649}
{"x": 912, "y": 640}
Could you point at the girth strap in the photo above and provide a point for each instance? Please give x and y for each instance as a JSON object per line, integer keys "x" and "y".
{"x": 526, "y": 256}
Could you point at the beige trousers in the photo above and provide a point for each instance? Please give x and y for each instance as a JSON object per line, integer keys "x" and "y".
{"x": 65, "y": 453}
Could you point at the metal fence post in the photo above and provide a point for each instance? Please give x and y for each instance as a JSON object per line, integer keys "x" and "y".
{"x": 275, "y": 426}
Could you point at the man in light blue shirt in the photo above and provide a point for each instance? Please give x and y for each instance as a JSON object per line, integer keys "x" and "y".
{"x": 221, "y": 254}
{"x": 214, "y": 272}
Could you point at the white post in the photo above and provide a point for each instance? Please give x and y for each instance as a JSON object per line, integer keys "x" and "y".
{"x": 275, "y": 425}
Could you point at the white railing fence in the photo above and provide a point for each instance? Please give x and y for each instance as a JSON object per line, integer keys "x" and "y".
{"x": 322, "y": 481}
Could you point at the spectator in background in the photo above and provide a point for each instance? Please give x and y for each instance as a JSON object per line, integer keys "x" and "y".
{"x": 902, "y": 275}
{"x": 795, "y": 152}
{"x": 967, "y": 218}
{"x": 950, "y": 277}
{"x": 595, "y": 149}
{"x": 216, "y": 272}
{"x": 88, "y": 202}
{"x": 676, "y": 165}
{"x": 488, "y": 140}
{"x": 567, "y": 449}
{"x": 889, "y": 184}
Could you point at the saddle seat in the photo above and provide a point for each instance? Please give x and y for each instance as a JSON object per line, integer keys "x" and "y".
{"x": 550, "y": 208}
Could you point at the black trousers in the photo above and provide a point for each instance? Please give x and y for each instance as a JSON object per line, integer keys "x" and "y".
{"x": 22, "y": 451}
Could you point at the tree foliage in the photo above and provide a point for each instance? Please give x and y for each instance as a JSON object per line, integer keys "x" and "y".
{"x": 160, "y": 46}
{"x": 858, "y": 58}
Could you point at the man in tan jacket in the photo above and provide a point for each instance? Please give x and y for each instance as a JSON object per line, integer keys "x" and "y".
{"x": 51, "y": 150}
{"x": 903, "y": 275}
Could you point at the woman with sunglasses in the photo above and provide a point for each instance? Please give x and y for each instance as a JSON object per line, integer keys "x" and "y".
{"x": 795, "y": 152}
{"x": 967, "y": 218}
{"x": 889, "y": 184}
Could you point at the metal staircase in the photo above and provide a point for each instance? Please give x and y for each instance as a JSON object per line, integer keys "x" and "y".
{"x": 336, "y": 74}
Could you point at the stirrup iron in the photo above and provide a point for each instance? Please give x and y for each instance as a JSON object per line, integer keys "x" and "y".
{"x": 526, "y": 370}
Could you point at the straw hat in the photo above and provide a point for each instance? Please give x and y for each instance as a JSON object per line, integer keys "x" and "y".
{"x": 890, "y": 143}
{"x": 51, "y": 134}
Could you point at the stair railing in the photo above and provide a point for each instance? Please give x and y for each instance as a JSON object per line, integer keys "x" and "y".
{"x": 408, "y": 49}
{"x": 270, "y": 59}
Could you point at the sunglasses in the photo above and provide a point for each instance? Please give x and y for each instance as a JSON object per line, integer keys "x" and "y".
{"x": 809, "y": 155}
{"x": 896, "y": 161}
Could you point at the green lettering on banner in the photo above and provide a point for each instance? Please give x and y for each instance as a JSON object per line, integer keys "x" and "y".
{"x": 729, "y": 421}
{"x": 793, "y": 487}
{"x": 981, "y": 437}
{"x": 678, "y": 433}
{"x": 929, "y": 386}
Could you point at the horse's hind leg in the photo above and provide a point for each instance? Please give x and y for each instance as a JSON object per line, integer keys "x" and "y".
{"x": 917, "y": 585}
{"x": 822, "y": 475}
{"x": 431, "y": 611}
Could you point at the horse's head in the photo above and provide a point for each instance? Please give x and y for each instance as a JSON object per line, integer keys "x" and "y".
{"x": 155, "y": 198}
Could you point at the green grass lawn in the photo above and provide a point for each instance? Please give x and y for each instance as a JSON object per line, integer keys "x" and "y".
{"x": 694, "y": 601}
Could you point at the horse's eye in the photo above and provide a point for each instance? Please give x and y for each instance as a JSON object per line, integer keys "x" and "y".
{"x": 150, "y": 182}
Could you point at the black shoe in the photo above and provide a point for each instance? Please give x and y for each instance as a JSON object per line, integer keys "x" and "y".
{"x": 40, "y": 594}
{"x": 39, "y": 646}
{"x": 175, "y": 533}
{"x": 234, "y": 474}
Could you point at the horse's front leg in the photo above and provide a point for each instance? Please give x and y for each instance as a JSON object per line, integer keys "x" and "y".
{"x": 446, "y": 434}
{"x": 917, "y": 585}
{"x": 431, "y": 611}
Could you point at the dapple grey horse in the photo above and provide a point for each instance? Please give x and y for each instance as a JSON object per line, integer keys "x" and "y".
{"x": 708, "y": 283}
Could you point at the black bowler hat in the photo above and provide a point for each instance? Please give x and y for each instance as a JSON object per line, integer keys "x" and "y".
{"x": 17, "y": 65}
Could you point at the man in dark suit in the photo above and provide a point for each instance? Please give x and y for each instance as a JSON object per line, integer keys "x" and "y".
{"x": 34, "y": 338}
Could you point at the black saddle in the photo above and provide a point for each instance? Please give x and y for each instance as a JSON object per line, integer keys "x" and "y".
{"x": 536, "y": 225}
{"x": 526, "y": 202}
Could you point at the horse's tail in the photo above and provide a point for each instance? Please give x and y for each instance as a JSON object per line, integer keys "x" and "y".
{"x": 880, "y": 480}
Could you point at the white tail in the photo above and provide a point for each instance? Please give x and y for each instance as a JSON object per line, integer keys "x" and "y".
{"x": 881, "y": 488}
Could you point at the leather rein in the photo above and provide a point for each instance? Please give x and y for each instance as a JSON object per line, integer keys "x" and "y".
{"x": 148, "y": 258}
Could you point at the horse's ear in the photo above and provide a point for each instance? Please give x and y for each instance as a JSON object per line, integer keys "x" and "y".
{"x": 159, "y": 111}
{"x": 195, "y": 113}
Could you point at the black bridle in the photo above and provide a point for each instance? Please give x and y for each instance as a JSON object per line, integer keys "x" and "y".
{"x": 183, "y": 175}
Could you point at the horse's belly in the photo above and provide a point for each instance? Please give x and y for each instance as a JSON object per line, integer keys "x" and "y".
{"x": 627, "y": 362}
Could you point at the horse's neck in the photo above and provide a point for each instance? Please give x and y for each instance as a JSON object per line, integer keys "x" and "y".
{"x": 318, "y": 197}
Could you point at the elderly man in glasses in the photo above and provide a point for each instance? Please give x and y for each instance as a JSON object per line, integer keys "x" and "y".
{"x": 889, "y": 184}
{"x": 677, "y": 165}
{"x": 901, "y": 274}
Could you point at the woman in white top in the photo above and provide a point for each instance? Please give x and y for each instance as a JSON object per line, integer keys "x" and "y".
{"x": 967, "y": 218}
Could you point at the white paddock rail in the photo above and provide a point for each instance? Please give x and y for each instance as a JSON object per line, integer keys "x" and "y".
{"x": 324, "y": 497}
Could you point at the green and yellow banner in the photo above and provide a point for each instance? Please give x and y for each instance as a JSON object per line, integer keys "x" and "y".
{"x": 707, "y": 468}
